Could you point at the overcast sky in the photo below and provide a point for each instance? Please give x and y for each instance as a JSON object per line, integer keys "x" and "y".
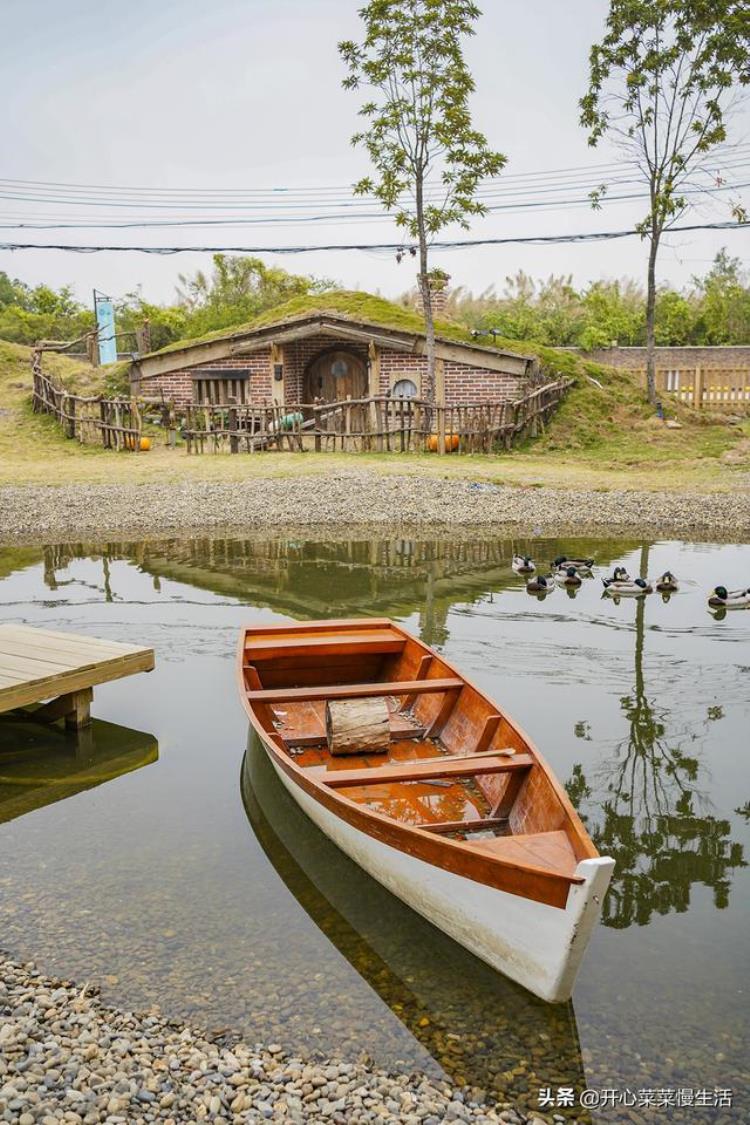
{"x": 246, "y": 94}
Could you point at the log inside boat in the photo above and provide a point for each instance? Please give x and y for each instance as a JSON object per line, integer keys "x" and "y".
{"x": 460, "y": 816}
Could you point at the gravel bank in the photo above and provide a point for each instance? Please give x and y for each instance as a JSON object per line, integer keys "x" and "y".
{"x": 65, "y": 1057}
{"x": 361, "y": 500}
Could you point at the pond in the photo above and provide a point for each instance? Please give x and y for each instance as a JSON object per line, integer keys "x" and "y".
{"x": 159, "y": 855}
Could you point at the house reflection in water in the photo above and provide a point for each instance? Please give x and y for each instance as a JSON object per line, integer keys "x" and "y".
{"x": 305, "y": 579}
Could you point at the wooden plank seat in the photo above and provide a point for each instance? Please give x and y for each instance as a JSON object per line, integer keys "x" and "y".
{"x": 445, "y": 766}
{"x": 377, "y": 642}
{"x": 480, "y": 824}
{"x": 354, "y": 691}
{"x": 552, "y": 851}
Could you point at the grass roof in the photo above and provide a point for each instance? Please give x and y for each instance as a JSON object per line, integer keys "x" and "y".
{"x": 351, "y": 304}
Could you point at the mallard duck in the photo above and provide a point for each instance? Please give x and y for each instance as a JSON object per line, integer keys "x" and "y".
{"x": 522, "y": 564}
{"x": 568, "y": 576}
{"x": 583, "y": 566}
{"x": 667, "y": 584}
{"x": 633, "y": 587}
{"x": 542, "y": 584}
{"x": 620, "y": 575}
{"x": 722, "y": 598}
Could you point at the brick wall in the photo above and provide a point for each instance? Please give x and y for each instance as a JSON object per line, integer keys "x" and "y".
{"x": 463, "y": 383}
{"x": 635, "y": 358}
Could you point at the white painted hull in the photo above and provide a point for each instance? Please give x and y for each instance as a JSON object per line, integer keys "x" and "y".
{"x": 538, "y": 946}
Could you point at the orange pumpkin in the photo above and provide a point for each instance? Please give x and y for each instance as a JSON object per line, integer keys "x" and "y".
{"x": 451, "y": 443}
{"x": 145, "y": 444}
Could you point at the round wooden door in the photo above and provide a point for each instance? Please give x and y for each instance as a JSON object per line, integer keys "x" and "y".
{"x": 335, "y": 376}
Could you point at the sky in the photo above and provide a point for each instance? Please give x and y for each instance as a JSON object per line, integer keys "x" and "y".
{"x": 181, "y": 95}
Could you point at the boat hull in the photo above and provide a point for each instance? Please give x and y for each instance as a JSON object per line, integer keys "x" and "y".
{"x": 537, "y": 945}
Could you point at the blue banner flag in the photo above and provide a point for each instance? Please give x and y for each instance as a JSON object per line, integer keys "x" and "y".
{"x": 105, "y": 323}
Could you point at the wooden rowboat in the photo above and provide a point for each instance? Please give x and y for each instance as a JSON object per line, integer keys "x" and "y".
{"x": 461, "y": 817}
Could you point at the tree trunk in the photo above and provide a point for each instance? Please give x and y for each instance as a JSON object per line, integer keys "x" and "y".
{"x": 428, "y": 387}
{"x": 651, "y": 318}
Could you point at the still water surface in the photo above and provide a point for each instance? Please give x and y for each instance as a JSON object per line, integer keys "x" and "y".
{"x": 172, "y": 867}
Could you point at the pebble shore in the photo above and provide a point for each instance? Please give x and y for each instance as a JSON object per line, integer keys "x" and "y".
{"x": 359, "y": 499}
{"x": 66, "y": 1057}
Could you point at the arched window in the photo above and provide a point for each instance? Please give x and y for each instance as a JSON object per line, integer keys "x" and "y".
{"x": 405, "y": 388}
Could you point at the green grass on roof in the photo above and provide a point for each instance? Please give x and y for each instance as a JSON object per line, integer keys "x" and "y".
{"x": 354, "y": 305}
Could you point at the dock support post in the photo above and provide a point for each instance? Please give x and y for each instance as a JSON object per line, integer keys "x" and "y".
{"x": 74, "y": 708}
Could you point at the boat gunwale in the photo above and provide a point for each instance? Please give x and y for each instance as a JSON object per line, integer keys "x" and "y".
{"x": 456, "y": 856}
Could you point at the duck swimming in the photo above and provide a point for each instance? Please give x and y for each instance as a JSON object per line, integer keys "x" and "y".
{"x": 722, "y": 598}
{"x": 522, "y": 564}
{"x": 583, "y": 566}
{"x": 667, "y": 584}
{"x": 568, "y": 576}
{"x": 631, "y": 587}
{"x": 620, "y": 575}
{"x": 542, "y": 584}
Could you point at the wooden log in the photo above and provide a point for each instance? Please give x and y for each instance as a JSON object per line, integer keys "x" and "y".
{"x": 357, "y": 726}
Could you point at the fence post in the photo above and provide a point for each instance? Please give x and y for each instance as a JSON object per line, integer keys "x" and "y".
{"x": 698, "y": 388}
{"x": 70, "y": 419}
{"x": 234, "y": 441}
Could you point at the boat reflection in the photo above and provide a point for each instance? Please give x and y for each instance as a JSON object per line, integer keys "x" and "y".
{"x": 42, "y": 764}
{"x": 483, "y": 1030}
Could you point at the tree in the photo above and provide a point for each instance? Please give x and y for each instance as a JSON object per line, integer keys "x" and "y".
{"x": 238, "y": 289}
{"x": 660, "y": 83}
{"x": 428, "y": 157}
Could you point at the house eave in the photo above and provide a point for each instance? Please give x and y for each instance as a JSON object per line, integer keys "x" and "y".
{"x": 257, "y": 339}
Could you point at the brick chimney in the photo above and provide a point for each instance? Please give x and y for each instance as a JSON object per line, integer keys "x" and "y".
{"x": 439, "y": 291}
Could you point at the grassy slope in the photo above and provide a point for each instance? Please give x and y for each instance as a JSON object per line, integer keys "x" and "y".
{"x": 349, "y": 303}
{"x": 601, "y": 437}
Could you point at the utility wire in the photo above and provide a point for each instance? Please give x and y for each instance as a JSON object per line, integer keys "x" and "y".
{"x": 539, "y": 240}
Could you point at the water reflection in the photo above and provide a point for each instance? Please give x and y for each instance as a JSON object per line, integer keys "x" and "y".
{"x": 306, "y": 578}
{"x": 482, "y": 1029}
{"x": 647, "y": 808}
{"x": 42, "y": 764}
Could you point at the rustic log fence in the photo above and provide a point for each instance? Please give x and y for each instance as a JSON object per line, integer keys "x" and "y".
{"x": 377, "y": 424}
{"x": 114, "y": 423}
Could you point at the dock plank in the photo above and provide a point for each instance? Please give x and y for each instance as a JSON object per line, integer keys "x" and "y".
{"x": 38, "y": 664}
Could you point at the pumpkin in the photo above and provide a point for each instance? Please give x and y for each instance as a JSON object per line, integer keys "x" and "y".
{"x": 145, "y": 444}
{"x": 451, "y": 443}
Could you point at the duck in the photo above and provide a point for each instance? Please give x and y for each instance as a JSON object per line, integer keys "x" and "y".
{"x": 568, "y": 576}
{"x": 721, "y": 598}
{"x": 629, "y": 587}
{"x": 522, "y": 564}
{"x": 583, "y": 566}
{"x": 620, "y": 575}
{"x": 667, "y": 584}
{"x": 542, "y": 584}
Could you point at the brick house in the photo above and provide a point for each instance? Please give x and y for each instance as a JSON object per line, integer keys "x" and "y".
{"x": 341, "y": 345}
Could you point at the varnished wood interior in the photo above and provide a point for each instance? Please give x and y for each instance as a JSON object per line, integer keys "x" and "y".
{"x": 461, "y": 785}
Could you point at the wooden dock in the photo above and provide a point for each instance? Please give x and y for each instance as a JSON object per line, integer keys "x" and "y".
{"x": 60, "y": 670}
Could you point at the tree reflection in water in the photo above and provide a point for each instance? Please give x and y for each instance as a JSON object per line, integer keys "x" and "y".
{"x": 649, "y": 813}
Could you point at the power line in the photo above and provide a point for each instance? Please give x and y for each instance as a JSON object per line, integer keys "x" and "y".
{"x": 539, "y": 240}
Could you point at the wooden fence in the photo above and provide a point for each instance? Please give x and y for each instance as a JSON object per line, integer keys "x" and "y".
{"x": 114, "y": 423}
{"x": 708, "y": 388}
{"x": 376, "y": 424}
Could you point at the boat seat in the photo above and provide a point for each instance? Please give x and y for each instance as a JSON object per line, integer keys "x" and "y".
{"x": 470, "y": 765}
{"x": 377, "y": 642}
{"x": 354, "y": 691}
{"x": 550, "y": 850}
